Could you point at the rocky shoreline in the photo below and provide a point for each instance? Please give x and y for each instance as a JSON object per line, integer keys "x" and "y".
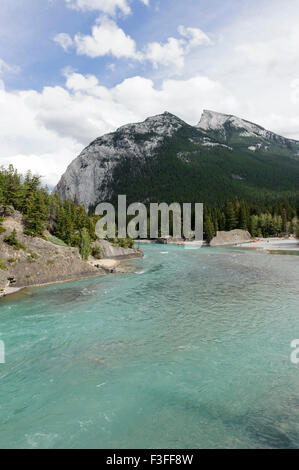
{"x": 41, "y": 262}
{"x": 106, "y": 266}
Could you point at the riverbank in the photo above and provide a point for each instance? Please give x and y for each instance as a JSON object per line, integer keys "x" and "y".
{"x": 103, "y": 266}
{"x": 272, "y": 244}
{"x": 34, "y": 261}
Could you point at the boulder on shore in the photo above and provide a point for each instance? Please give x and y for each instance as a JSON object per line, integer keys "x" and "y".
{"x": 108, "y": 251}
{"x": 230, "y": 238}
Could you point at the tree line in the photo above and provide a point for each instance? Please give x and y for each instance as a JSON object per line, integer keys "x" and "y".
{"x": 261, "y": 220}
{"x": 70, "y": 222}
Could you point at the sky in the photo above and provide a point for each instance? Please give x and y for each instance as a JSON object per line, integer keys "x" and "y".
{"x": 73, "y": 70}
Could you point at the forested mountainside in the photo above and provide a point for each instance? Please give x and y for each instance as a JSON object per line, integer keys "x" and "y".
{"x": 165, "y": 159}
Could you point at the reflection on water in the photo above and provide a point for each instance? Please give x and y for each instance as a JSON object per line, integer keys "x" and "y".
{"x": 193, "y": 352}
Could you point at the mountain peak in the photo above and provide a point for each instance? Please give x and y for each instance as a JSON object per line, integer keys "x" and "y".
{"x": 165, "y": 123}
{"x": 213, "y": 121}
{"x": 164, "y": 158}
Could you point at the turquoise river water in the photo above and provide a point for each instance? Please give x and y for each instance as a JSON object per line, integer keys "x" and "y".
{"x": 191, "y": 351}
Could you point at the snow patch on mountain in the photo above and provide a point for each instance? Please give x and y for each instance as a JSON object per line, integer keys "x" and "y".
{"x": 216, "y": 144}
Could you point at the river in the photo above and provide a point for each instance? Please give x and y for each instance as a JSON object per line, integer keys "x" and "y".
{"x": 190, "y": 351}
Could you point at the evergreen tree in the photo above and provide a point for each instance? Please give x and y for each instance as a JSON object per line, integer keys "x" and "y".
{"x": 84, "y": 244}
{"x": 243, "y": 223}
{"x": 209, "y": 228}
{"x": 231, "y": 218}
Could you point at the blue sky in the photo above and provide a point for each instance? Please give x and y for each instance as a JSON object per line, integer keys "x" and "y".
{"x": 28, "y": 27}
{"x": 71, "y": 70}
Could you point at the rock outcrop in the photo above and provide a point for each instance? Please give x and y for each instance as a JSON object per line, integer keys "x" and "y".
{"x": 230, "y": 238}
{"x": 41, "y": 262}
{"x": 4, "y": 283}
{"x": 108, "y": 251}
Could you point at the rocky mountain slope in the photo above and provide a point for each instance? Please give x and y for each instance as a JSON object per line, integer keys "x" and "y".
{"x": 165, "y": 159}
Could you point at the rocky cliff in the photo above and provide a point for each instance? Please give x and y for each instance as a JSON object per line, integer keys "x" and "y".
{"x": 39, "y": 261}
{"x": 90, "y": 177}
{"x": 165, "y": 159}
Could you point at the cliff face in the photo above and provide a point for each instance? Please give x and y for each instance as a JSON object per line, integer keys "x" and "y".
{"x": 165, "y": 159}
{"x": 41, "y": 261}
{"x": 90, "y": 178}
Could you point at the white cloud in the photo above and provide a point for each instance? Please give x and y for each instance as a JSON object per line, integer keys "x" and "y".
{"x": 173, "y": 52}
{"x": 107, "y": 38}
{"x": 170, "y": 53}
{"x": 251, "y": 72}
{"x": 64, "y": 40}
{"x": 295, "y": 91}
{"x": 76, "y": 82}
{"x": 6, "y": 68}
{"x": 111, "y": 67}
{"x": 275, "y": 51}
{"x": 45, "y": 131}
{"x": 26, "y": 142}
{"x": 109, "y": 7}
{"x": 195, "y": 36}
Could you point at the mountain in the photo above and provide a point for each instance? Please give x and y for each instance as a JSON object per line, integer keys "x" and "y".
{"x": 232, "y": 130}
{"x": 166, "y": 159}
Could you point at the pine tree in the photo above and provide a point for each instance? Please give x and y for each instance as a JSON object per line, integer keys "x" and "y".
{"x": 254, "y": 220}
{"x": 209, "y": 228}
{"x": 231, "y": 218}
{"x": 243, "y": 223}
{"x": 37, "y": 214}
{"x": 84, "y": 244}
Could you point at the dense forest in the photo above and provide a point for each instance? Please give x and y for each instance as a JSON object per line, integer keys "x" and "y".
{"x": 71, "y": 224}
{"x": 260, "y": 219}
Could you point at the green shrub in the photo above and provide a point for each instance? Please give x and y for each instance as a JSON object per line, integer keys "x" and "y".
{"x": 96, "y": 252}
{"x": 56, "y": 241}
{"x": 13, "y": 241}
{"x": 84, "y": 244}
{"x": 33, "y": 255}
{"x": 2, "y": 229}
{"x": 12, "y": 260}
{"x": 126, "y": 242}
{"x": 2, "y": 265}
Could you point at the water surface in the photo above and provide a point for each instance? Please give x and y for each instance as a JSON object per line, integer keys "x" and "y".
{"x": 192, "y": 351}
